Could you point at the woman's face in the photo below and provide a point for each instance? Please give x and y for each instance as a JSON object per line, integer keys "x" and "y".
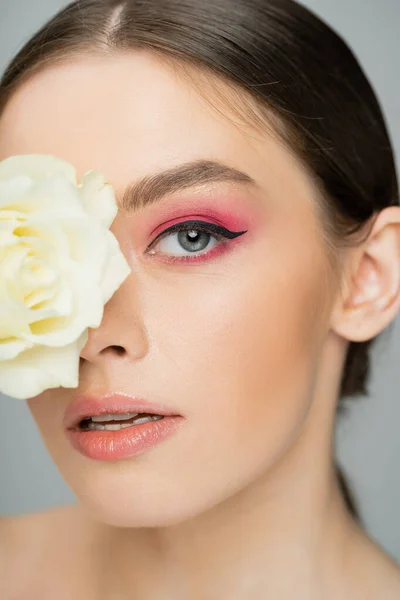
{"x": 229, "y": 334}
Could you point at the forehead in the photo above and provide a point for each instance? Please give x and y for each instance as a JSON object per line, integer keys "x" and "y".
{"x": 129, "y": 115}
{"x": 101, "y": 111}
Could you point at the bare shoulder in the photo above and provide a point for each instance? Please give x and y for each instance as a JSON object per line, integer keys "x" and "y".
{"x": 390, "y": 574}
{"x": 376, "y": 571}
{"x": 8, "y": 522}
{"x": 32, "y": 544}
{"x": 29, "y": 531}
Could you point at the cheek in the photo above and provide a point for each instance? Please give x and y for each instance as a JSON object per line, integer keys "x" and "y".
{"x": 40, "y": 411}
{"x": 47, "y": 411}
{"x": 246, "y": 351}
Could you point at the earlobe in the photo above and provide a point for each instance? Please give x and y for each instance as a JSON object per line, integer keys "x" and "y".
{"x": 372, "y": 297}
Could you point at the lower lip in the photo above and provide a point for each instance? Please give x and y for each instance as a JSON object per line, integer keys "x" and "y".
{"x": 123, "y": 443}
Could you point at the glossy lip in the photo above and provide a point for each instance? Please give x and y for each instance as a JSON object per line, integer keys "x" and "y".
{"x": 124, "y": 443}
{"x": 87, "y": 405}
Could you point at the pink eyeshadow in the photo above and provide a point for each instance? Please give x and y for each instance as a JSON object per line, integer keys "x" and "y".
{"x": 233, "y": 218}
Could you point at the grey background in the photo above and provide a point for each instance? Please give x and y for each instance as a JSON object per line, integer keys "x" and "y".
{"x": 368, "y": 440}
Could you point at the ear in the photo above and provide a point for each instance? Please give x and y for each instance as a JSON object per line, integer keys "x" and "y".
{"x": 370, "y": 299}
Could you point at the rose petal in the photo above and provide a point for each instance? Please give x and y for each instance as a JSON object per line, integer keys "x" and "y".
{"x": 87, "y": 244}
{"x": 59, "y": 266}
{"x": 14, "y": 315}
{"x": 98, "y": 198}
{"x": 87, "y": 312}
{"x": 60, "y": 305}
{"x": 45, "y": 237}
{"x": 10, "y": 193}
{"x": 116, "y": 270}
{"x": 41, "y": 368}
{"x": 54, "y": 198}
{"x": 37, "y": 167}
{"x": 11, "y": 348}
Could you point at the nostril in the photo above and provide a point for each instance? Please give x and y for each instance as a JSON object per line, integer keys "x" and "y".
{"x": 118, "y": 349}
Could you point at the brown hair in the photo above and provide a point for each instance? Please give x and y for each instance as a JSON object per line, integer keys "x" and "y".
{"x": 285, "y": 61}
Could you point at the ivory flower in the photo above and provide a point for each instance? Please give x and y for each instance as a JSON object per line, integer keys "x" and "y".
{"x": 59, "y": 266}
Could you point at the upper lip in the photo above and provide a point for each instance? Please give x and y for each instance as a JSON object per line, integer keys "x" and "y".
{"x": 88, "y": 405}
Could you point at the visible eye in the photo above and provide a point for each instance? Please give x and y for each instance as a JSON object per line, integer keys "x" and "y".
{"x": 192, "y": 237}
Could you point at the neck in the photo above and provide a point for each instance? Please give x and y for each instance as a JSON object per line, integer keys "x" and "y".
{"x": 286, "y": 535}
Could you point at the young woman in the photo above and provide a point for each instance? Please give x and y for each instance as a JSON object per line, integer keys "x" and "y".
{"x": 259, "y": 212}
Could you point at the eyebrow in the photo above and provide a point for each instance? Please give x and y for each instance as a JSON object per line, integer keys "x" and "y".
{"x": 153, "y": 188}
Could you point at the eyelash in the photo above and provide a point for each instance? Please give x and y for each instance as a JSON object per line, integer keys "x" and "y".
{"x": 218, "y": 232}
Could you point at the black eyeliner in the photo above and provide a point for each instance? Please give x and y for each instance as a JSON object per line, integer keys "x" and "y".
{"x": 200, "y": 226}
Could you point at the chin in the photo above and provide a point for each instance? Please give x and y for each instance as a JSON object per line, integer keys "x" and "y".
{"x": 116, "y": 512}
{"x": 123, "y": 500}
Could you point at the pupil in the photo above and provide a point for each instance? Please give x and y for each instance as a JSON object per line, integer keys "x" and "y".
{"x": 193, "y": 245}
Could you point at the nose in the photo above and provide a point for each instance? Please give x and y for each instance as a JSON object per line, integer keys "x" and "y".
{"x": 122, "y": 332}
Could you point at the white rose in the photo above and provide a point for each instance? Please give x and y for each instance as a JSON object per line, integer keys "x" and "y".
{"x": 59, "y": 266}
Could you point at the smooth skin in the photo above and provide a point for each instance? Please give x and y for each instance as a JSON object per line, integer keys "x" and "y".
{"x": 248, "y": 345}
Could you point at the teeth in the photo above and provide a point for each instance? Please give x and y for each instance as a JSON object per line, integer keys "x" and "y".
{"x": 117, "y": 426}
{"x": 114, "y": 417}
